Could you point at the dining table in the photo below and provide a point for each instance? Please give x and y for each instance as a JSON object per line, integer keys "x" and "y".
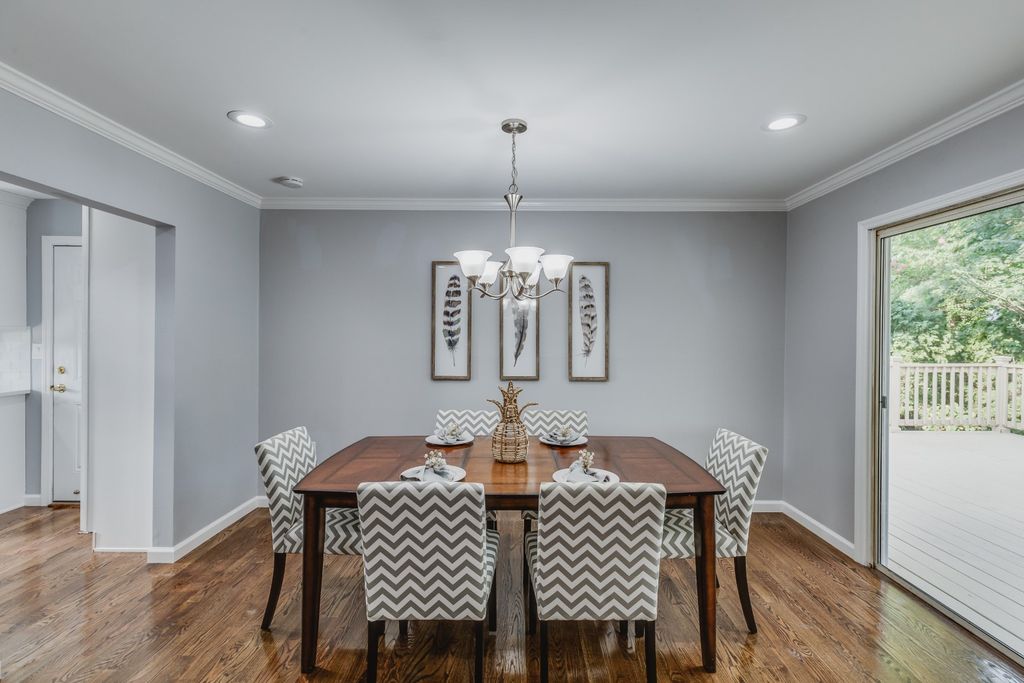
{"x": 333, "y": 483}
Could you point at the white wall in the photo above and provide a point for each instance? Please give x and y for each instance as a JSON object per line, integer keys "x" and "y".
{"x": 696, "y": 324}
{"x": 12, "y": 312}
{"x": 122, "y": 317}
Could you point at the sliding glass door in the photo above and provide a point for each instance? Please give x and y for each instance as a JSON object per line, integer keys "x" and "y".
{"x": 950, "y": 360}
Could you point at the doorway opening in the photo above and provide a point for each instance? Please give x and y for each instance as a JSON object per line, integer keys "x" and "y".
{"x": 950, "y": 422}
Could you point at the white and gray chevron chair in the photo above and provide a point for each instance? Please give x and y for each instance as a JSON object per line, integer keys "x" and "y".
{"x": 427, "y": 555}
{"x": 284, "y": 460}
{"x": 595, "y": 555}
{"x": 737, "y": 462}
{"x": 540, "y": 422}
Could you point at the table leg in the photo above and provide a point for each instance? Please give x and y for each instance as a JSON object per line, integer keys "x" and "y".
{"x": 312, "y": 575}
{"x": 707, "y": 598}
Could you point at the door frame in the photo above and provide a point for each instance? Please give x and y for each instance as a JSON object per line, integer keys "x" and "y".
{"x": 46, "y": 402}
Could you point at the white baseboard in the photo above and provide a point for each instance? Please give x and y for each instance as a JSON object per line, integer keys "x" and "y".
{"x": 769, "y": 506}
{"x": 835, "y": 540}
{"x": 168, "y": 554}
{"x": 8, "y": 509}
{"x": 33, "y": 500}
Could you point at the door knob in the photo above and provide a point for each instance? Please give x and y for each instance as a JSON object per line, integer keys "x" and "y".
{"x": 59, "y": 388}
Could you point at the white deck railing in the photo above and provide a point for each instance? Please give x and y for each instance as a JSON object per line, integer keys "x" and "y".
{"x": 957, "y": 394}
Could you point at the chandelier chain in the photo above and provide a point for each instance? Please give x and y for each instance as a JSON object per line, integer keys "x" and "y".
{"x": 514, "y": 188}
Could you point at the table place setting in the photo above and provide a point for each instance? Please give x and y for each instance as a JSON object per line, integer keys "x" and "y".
{"x": 582, "y": 470}
{"x": 452, "y": 435}
{"x": 435, "y": 468}
{"x": 563, "y": 437}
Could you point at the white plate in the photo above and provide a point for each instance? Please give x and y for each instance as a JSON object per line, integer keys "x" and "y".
{"x": 562, "y": 477}
{"x": 458, "y": 474}
{"x": 550, "y": 442}
{"x": 435, "y": 441}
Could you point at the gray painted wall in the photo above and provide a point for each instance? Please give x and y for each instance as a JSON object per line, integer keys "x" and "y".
{"x": 821, "y": 297}
{"x": 45, "y": 217}
{"x": 696, "y": 324}
{"x": 216, "y": 306}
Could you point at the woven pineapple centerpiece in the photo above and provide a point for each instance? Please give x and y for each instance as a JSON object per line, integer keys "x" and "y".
{"x": 510, "y": 441}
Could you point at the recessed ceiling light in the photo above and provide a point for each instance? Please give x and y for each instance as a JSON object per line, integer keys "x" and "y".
{"x": 249, "y": 119}
{"x": 785, "y": 122}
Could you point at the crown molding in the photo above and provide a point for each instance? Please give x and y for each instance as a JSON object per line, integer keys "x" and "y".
{"x": 998, "y": 103}
{"x": 42, "y": 95}
{"x": 16, "y": 200}
{"x": 466, "y": 204}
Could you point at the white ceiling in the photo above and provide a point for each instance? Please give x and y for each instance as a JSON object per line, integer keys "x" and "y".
{"x": 625, "y": 100}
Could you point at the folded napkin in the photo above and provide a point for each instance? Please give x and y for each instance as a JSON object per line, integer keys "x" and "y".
{"x": 423, "y": 473}
{"x": 577, "y": 473}
{"x": 444, "y": 436}
{"x": 556, "y": 436}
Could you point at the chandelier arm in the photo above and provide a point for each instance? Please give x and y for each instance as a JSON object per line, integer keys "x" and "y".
{"x": 524, "y": 295}
{"x": 484, "y": 292}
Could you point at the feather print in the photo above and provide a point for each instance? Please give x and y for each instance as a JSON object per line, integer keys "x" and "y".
{"x": 451, "y": 323}
{"x": 520, "y": 313}
{"x": 588, "y": 316}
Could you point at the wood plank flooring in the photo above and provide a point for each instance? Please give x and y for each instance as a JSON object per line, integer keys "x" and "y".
{"x": 69, "y": 614}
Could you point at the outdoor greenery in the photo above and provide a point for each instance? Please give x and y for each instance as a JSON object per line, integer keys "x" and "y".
{"x": 957, "y": 290}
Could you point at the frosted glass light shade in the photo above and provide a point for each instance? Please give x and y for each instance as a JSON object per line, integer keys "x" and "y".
{"x": 523, "y": 259}
{"x": 555, "y": 265}
{"x": 534, "y": 277}
{"x": 490, "y": 272}
{"x": 472, "y": 262}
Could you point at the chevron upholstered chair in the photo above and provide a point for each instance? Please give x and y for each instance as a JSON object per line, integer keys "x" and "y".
{"x": 284, "y": 460}
{"x": 427, "y": 555}
{"x": 737, "y": 462}
{"x": 540, "y": 422}
{"x": 595, "y": 555}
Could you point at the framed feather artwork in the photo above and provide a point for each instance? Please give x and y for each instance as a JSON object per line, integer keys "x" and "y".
{"x": 451, "y": 322}
{"x": 519, "y": 339}
{"x": 588, "y": 321}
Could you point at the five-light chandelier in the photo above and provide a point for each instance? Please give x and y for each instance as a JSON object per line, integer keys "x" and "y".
{"x": 520, "y": 274}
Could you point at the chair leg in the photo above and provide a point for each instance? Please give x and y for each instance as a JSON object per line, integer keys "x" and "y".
{"x": 623, "y": 627}
{"x": 543, "y": 652}
{"x": 478, "y": 669}
{"x": 740, "y": 565}
{"x": 403, "y": 629}
{"x": 533, "y": 612}
{"x": 374, "y": 630}
{"x": 650, "y": 651}
{"x": 527, "y": 589}
{"x": 275, "y": 589}
{"x": 639, "y": 630}
{"x": 492, "y": 607}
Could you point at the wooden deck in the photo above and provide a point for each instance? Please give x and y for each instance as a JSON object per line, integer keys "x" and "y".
{"x": 956, "y": 524}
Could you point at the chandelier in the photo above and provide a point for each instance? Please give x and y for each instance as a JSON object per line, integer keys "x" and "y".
{"x": 520, "y": 274}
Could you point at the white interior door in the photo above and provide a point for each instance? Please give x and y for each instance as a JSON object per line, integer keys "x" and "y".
{"x": 64, "y": 379}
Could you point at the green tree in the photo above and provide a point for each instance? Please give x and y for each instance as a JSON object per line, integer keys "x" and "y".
{"x": 957, "y": 289}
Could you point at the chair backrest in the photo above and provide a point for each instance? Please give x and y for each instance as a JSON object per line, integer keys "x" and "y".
{"x": 423, "y": 550}
{"x": 599, "y": 551}
{"x": 476, "y": 422}
{"x": 540, "y": 422}
{"x": 284, "y": 460}
{"x": 737, "y": 462}
{"x": 537, "y": 422}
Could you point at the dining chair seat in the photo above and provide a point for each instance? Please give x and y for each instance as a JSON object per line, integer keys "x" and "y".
{"x": 341, "y": 533}
{"x": 678, "y": 537}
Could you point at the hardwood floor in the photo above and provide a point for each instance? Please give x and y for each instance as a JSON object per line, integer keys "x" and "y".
{"x": 69, "y": 614}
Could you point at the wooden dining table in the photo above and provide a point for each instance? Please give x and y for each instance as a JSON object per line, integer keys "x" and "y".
{"x": 333, "y": 483}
